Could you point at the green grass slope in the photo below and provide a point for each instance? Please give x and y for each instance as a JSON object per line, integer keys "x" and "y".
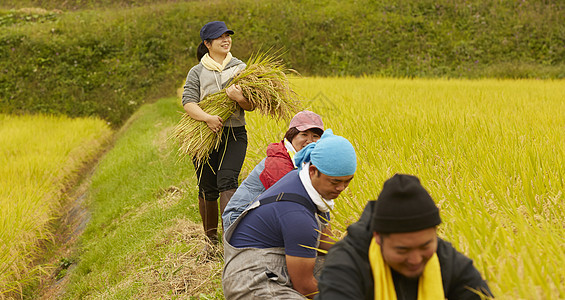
{"x": 106, "y": 58}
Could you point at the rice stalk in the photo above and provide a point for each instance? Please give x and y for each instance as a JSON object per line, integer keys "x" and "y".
{"x": 263, "y": 82}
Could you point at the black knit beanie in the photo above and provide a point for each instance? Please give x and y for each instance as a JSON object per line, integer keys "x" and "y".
{"x": 404, "y": 206}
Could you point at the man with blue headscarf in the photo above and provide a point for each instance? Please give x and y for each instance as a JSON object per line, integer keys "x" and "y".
{"x": 270, "y": 250}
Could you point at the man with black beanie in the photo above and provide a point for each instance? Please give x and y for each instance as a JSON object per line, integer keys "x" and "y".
{"x": 393, "y": 252}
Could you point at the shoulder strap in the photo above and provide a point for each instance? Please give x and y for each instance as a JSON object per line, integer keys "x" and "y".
{"x": 296, "y": 198}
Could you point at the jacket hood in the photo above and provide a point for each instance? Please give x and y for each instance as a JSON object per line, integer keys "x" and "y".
{"x": 359, "y": 233}
{"x": 277, "y": 150}
{"x": 233, "y": 62}
{"x": 277, "y": 164}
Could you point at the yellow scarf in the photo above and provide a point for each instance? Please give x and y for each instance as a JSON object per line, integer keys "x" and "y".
{"x": 212, "y": 65}
{"x": 429, "y": 285}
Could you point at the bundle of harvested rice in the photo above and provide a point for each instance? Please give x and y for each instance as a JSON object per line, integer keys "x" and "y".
{"x": 264, "y": 83}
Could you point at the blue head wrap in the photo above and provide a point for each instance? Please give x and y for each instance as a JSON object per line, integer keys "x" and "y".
{"x": 332, "y": 155}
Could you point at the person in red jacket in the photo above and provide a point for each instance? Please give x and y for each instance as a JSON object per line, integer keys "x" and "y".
{"x": 304, "y": 128}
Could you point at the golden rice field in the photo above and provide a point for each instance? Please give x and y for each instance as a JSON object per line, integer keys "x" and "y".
{"x": 491, "y": 153}
{"x": 39, "y": 157}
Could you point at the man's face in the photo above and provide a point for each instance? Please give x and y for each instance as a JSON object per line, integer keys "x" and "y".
{"x": 408, "y": 253}
{"x": 329, "y": 187}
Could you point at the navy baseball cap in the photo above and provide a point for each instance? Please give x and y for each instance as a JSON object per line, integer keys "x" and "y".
{"x": 214, "y": 30}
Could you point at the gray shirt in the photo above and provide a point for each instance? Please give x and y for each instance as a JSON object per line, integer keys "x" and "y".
{"x": 201, "y": 82}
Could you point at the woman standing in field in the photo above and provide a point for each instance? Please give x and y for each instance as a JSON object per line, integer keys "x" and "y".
{"x": 218, "y": 176}
{"x": 304, "y": 128}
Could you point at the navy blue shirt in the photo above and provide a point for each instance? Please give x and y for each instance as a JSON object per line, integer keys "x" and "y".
{"x": 280, "y": 224}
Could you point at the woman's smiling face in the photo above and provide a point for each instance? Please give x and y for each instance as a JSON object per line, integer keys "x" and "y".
{"x": 303, "y": 138}
{"x": 220, "y": 46}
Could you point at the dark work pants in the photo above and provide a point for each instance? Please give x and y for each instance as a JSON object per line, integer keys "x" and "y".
{"x": 221, "y": 171}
